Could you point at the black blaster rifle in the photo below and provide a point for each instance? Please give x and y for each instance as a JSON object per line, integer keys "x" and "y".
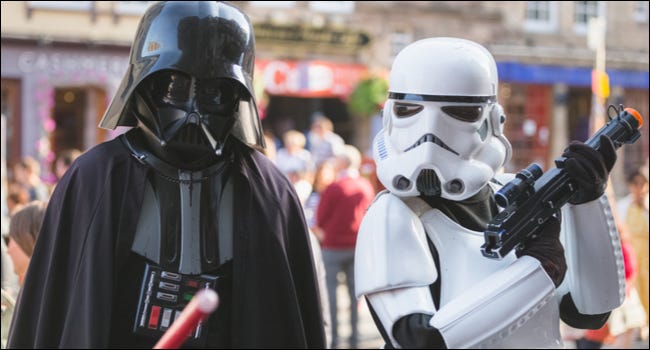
{"x": 533, "y": 197}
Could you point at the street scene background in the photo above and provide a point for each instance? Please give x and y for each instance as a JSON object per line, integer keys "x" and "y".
{"x": 561, "y": 64}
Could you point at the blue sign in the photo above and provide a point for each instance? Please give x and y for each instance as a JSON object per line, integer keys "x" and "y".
{"x": 573, "y": 76}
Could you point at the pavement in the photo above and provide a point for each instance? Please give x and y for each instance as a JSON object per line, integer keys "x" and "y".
{"x": 369, "y": 337}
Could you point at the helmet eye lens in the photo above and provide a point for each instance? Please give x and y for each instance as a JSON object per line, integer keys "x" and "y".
{"x": 218, "y": 96}
{"x": 171, "y": 88}
{"x": 464, "y": 113}
{"x": 405, "y": 110}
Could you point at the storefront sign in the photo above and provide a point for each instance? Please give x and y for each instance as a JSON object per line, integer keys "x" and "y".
{"x": 310, "y": 35}
{"x": 308, "y": 78}
{"x": 34, "y": 61}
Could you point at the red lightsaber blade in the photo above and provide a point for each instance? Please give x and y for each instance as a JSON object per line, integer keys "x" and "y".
{"x": 199, "y": 308}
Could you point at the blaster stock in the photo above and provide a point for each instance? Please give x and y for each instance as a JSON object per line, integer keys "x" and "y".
{"x": 534, "y": 197}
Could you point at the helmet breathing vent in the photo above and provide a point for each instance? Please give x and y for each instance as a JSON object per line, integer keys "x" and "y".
{"x": 428, "y": 183}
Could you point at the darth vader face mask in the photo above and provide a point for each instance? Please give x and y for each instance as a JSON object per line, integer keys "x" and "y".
{"x": 187, "y": 118}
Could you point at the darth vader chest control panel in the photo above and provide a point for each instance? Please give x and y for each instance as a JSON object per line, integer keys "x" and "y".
{"x": 163, "y": 296}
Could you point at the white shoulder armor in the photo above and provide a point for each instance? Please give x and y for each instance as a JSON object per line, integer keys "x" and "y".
{"x": 391, "y": 250}
{"x": 596, "y": 271}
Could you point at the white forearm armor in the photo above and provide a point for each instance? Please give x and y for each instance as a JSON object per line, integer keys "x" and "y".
{"x": 484, "y": 303}
{"x": 596, "y": 271}
{"x": 512, "y": 308}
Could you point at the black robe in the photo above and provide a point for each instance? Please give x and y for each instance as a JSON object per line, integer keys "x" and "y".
{"x": 66, "y": 300}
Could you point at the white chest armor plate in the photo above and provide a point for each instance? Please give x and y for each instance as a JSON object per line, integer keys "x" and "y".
{"x": 460, "y": 255}
{"x": 465, "y": 271}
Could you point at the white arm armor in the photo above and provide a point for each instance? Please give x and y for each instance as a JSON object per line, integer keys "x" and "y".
{"x": 511, "y": 308}
{"x": 595, "y": 268}
{"x": 393, "y": 265}
{"x": 391, "y": 249}
{"x": 394, "y": 268}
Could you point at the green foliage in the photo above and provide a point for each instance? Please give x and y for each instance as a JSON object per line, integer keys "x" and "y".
{"x": 368, "y": 96}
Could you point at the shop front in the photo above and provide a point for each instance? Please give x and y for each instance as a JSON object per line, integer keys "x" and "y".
{"x": 292, "y": 93}
{"x": 53, "y": 97}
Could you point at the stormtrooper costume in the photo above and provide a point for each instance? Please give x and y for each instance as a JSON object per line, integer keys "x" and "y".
{"x": 418, "y": 259}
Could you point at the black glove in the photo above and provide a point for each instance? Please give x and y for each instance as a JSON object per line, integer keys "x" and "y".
{"x": 546, "y": 248}
{"x": 589, "y": 168}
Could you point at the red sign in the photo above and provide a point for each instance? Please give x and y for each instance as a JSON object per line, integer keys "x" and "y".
{"x": 308, "y": 78}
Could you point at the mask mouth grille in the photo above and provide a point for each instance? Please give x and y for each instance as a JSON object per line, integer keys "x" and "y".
{"x": 190, "y": 134}
{"x": 428, "y": 183}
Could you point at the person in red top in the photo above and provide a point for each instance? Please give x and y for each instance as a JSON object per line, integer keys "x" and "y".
{"x": 339, "y": 214}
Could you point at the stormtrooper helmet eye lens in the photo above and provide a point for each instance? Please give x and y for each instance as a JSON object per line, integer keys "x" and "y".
{"x": 464, "y": 113}
{"x": 170, "y": 88}
{"x": 405, "y": 110}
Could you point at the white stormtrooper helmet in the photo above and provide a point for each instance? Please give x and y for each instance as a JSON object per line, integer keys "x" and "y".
{"x": 442, "y": 129}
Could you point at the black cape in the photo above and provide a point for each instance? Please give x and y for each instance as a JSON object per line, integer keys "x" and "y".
{"x": 66, "y": 299}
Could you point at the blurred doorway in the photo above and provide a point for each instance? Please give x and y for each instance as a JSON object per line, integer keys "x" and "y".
{"x": 285, "y": 113}
{"x": 69, "y": 112}
{"x": 76, "y": 113}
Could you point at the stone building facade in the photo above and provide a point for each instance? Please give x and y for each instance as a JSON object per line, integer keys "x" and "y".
{"x": 62, "y": 61}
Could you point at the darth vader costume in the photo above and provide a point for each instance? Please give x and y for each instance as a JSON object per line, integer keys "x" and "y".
{"x": 182, "y": 201}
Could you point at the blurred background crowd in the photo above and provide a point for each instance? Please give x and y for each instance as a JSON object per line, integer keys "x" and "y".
{"x": 321, "y": 70}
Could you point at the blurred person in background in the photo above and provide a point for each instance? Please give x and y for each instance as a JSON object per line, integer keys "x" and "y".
{"x": 270, "y": 150}
{"x": 17, "y": 196}
{"x": 185, "y": 197}
{"x": 296, "y": 162}
{"x": 626, "y": 320}
{"x": 303, "y": 185}
{"x": 63, "y": 161}
{"x": 323, "y": 177}
{"x": 9, "y": 278}
{"x": 27, "y": 173}
{"x": 633, "y": 210}
{"x": 24, "y": 229}
{"x": 322, "y": 141}
{"x": 340, "y": 210}
{"x": 293, "y": 155}
{"x": 23, "y": 232}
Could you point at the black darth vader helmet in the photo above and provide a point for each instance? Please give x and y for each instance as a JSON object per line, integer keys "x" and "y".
{"x": 191, "y": 62}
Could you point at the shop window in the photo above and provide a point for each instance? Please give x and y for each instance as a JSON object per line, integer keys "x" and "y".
{"x": 61, "y": 5}
{"x": 340, "y": 7}
{"x": 541, "y": 16}
{"x": 641, "y": 11}
{"x": 398, "y": 41}
{"x": 527, "y": 110}
{"x": 583, "y": 11}
{"x": 273, "y": 4}
{"x": 69, "y": 112}
{"x": 131, "y": 7}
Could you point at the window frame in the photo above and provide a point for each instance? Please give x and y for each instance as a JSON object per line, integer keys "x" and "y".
{"x": 61, "y": 5}
{"x": 538, "y": 25}
{"x": 583, "y": 28}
